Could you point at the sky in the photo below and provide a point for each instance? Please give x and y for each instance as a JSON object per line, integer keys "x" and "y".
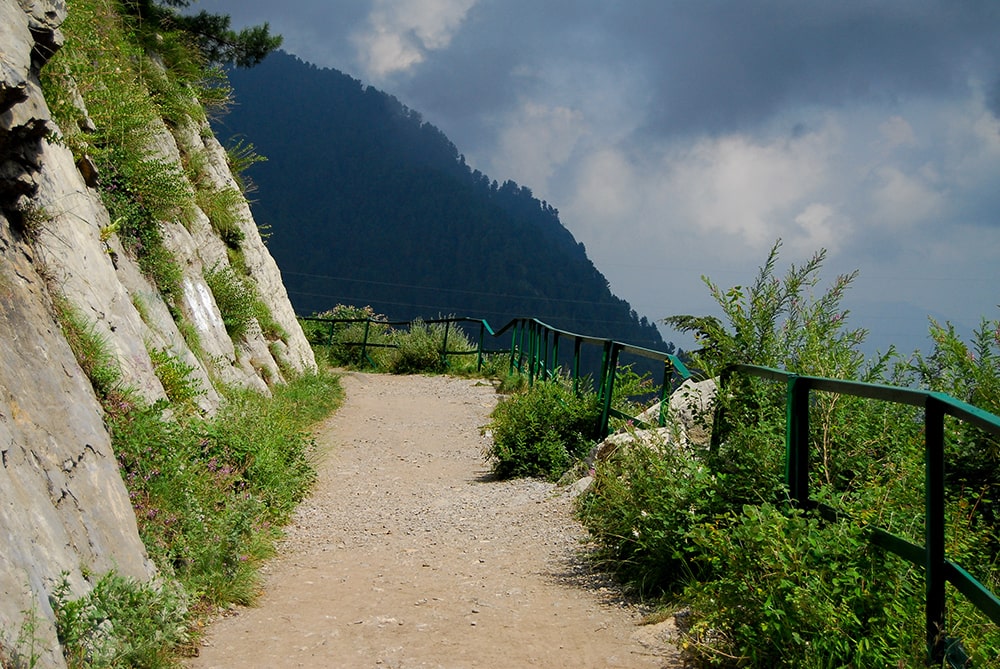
{"x": 681, "y": 140}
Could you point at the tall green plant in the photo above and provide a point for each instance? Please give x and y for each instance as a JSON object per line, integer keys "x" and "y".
{"x": 748, "y": 564}
{"x": 542, "y": 430}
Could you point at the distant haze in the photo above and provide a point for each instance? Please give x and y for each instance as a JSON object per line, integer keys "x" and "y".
{"x": 682, "y": 138}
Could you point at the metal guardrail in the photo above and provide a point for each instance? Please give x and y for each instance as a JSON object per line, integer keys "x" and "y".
{"x": 536, "y": 345}
{"x": 938, "y": 569}
{"x": 535, "y": 350}
{"x": 366, "y": 342}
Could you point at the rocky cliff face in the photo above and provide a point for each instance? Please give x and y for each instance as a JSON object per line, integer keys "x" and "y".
{"x": 63, "y": 505}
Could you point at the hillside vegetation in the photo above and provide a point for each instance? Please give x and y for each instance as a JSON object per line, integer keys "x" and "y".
{"x": 186, "y": 410}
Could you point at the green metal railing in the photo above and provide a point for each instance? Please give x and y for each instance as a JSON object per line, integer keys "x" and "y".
{"x": 366, "y": 343}
{"x": 938, "y": 569}
{"x": 535, "y": 350}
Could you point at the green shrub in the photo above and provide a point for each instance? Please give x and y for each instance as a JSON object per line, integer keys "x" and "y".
{"x": 176, "y": 378}
{"x": 223, "y": 210}
{"x": 241, "y": 156}
{"x": 91, "y": 349}
{"x": 120, "y": 623}
{"x": 340, "y": 343}
{"x": 716, "y": 524}
{"x": 236, "y": 298}
{"x": 418, "y": 350}
{"x": 791, "y": 590}
{"x": 208, "y": 494}
{"x": 644, "y": 499}
{"x": 542, "y": 431}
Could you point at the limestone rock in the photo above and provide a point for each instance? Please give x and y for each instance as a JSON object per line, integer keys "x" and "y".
{"x": 63, "y": 505}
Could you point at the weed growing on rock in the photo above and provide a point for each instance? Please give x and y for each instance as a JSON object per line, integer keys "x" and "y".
{"x": 120, "y": 623}
{"x": 176, "y": 378}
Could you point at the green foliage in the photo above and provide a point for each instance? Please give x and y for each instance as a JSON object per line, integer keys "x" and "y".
{"x": 338, "y": 343}
{"x": 118, "y": 83}
{"x": 779, "y": 323}
{"x": 241, "y": 156}
{"x": 223, "y": 210}
{"x": 790, "y": 590}
{"x": 771, "y": 586}
{"x": 120, "y": 623}
{"x": 418, "y": 350}
{"x": 644, "y": 500}
{"x": 208, "y": 494}
{"x": 543, "y": 430}
{"x": 91, "y": 349}
{"x": 210, "y": 33}
{"x": 26, "y": 650}
{"x": 176, "y": 378}
{"x": 236, "y": 298}
{"x": 969, "y": 372}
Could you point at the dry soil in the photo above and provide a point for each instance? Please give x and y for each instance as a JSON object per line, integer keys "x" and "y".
{"x": 408, "y": 554}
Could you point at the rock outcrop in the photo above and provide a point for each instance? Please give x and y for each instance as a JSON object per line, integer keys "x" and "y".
{"x": 63, "y": 506}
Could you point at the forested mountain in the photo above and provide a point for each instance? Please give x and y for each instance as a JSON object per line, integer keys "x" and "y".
{"x": 370, "y": 205}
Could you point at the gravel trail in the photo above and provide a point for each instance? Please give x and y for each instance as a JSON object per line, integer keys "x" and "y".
{"x": 408, "y": 555}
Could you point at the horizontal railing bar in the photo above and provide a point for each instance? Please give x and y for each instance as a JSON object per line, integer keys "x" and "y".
{"x": 907, "y": 550}
{"x": 976, "y": 592}
{"x": 878, "y": 391}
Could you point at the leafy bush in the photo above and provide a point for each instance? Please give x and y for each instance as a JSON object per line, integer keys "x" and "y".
{"x": 714, "y": 529}
{"x": 223, "y": 210}
{"x": 236, "y": 297}
{"x": 209, "y": 493}
{"x": 120, "y": 623}
{"x": 339, "y": 343}
{"x": 644, "y": 500}
{"x": 791, "y": 590}
{"x": 543, "y": 430}
{"x": 418, "y": 350}
{"x": 175, "y": 377}
{"x": 91, "y": 349}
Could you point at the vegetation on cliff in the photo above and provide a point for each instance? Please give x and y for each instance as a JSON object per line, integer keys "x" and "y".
{"x": 209, "y": 492}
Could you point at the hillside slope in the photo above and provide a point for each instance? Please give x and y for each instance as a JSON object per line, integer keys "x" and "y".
{"x": 368, "y": 204}
{"x": 64, "y": 509}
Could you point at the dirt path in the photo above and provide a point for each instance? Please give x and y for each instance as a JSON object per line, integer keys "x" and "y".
{"x": 407, "y": 555}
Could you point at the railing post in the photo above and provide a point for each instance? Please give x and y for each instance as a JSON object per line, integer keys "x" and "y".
{"x": 522, "y": 328}
{"x": 934, "y": 528}
{"x": 668, "y": 377}
{"x": 555, "y": 351}
{"x": 577, "y": 344}
{"x": 364, "y": 342}
{"x": 482, "y": 335}
{"x": 444, "y": 346}
{"x": 532, "y": 344}
{"x": 797, "y": 440}
{"x": 611, "y": 351}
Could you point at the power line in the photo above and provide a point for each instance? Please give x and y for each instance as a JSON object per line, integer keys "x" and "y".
{"x": 461, "y": 291}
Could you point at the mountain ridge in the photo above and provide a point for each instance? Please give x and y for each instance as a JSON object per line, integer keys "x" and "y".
{"x": 372, "y": 205}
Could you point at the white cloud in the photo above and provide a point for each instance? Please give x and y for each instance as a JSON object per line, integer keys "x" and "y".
{"x": 536, "y": 141}
{"x": 400, "y": 33}
{"x": 903, "y": 199}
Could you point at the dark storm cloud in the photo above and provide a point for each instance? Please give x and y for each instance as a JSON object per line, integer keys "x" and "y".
{"x": 724, "y": 65}
{"x": 708, "y": 66}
